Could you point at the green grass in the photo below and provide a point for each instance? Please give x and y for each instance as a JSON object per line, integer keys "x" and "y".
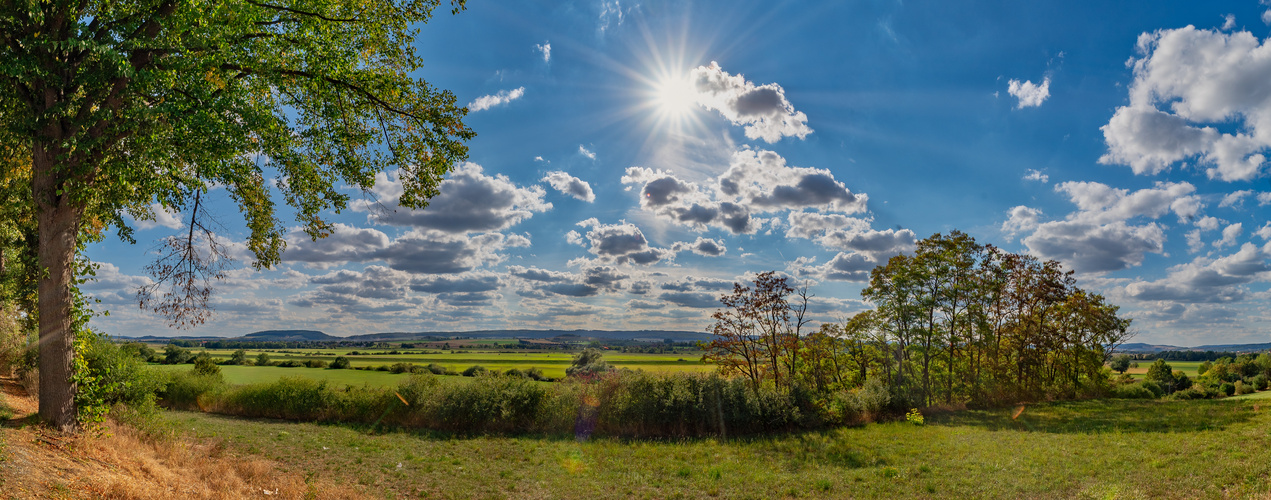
{"x": 1090, "y": 449}
{"x": 1255, "y": 395}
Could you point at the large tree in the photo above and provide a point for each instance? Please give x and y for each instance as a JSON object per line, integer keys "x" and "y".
{"x": 126, "y": 103}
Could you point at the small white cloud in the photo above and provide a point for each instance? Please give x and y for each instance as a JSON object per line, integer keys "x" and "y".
{"x": 1229, "y": 235}
{"x": 489, "y": 101}
{"x": 1265, "y": 231}
{"x": 539, "y": 158}
{"x": 1029, "y": 93}
{"x": 574, "y": 238}
{"x": 1234, "y": 199}
{"x": 1194, "y": 243}
{"x": 162, "y": 218}
{"x": 1229, "y": 22}
{"x": 586, "y": 152}
{"x": 1208, "y": 223}
{"x": 1264, "y": 199}
{"x": 570, "y": 185}
{"x": 1022, "y": 219}
{"x": 546, "y": 49}
{"x": 1266, "y": 17}
{"x": 1034, "y": 175}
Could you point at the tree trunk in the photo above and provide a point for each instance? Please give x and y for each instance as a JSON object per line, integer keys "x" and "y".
{"x": 59, "y": 221}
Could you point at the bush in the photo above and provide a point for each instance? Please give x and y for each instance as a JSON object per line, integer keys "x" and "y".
{"x": 588, "y": 363}
{"x": 513, "y": 372}
{"x": 315, "y": 363}
{"x": 1135, "y": 391}
{"x": 401, "y": 368}
{"x": 436, "y": 369}
{"x": 1243, "y": 388}
{"x": 340, "y": 363}
{"x": 183, "y": 391}
{"x": 1259, "y": 382}
{"x": 1196, "y": 392}
{"x": 536, "y": 374}
{"x": 1156, "y": 388}
{"x": 290, "y": 363}
{"x": 175, "y": 355}
{"x": 203, "y": 365}
{"x": 262, "y": 359}
{"x": 238, "y": 358}
{"x": 641, "y": 404}
{"x": 1227, "y": 388}
{"x": 474, "y": 370}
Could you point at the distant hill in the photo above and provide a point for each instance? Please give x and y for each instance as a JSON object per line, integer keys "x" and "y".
{"x": 289, "y": 335}
{"x": 1150, "y": 348}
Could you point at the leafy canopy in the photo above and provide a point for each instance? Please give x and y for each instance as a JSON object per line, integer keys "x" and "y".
{"x": 142, "y": 101}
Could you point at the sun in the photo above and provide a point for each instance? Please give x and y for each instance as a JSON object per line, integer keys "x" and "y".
{"x": 674, "y": 97}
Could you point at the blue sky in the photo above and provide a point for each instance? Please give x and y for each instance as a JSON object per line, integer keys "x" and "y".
{"x": 634, "y": 159}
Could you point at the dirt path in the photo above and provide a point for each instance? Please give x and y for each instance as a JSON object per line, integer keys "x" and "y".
{"x": 36, "y": 462}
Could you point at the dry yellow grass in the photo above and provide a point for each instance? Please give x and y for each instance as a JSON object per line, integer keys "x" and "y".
{"x": 124, "y": 464}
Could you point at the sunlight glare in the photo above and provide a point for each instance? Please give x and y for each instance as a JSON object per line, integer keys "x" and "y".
{"x": 675, "y": 96}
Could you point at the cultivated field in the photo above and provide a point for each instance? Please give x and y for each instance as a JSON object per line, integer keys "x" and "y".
{"x": 552, "y": 363}
{"x": 1087, "y": 449}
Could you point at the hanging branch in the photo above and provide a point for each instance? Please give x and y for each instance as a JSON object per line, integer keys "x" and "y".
{"x": 184, "y": 272}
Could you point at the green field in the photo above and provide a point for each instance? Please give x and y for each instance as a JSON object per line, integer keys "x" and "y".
{"x": 264, "y": 374}
{"x": 552, "y": 363}
{"x": 1087, "y": 449}
{"x": 1188, "y": 367}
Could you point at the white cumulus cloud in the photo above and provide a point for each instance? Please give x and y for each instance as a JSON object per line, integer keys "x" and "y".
{"x": 570, "y": 185}
{"x": 1029, "y": 94}
{"x": 762, "y": 110}
{"x": 1188, "y": 82}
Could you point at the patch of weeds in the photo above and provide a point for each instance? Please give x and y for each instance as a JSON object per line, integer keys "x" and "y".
{"x": 715, "y": 473}
{"x": 823, "y": 484}
{"x": 684, "y": 472}
{"x": 890, "y": 472}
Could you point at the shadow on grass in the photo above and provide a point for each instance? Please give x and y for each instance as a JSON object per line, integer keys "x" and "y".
{"x": 1108, "y": 415}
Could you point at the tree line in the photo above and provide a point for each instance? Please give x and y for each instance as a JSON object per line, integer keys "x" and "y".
{"x": 954, "y": 323}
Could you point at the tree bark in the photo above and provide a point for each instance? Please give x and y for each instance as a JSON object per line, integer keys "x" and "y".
{"x": 59, "y": 221}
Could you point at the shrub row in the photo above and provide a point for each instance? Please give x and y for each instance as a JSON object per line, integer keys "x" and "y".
{"x": 632, "y": 404}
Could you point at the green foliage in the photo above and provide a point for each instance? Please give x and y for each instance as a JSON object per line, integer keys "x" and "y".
{"x": 915, "y": 417}
{"x": 141, "y": 351}
{"x": 474, "y": 370}
{"x": 588, "y": 363}
{"x": 1161, "y": 373}
{"x": 1135, "y": 391}
{"x": 1120, "y": 363}
{"x": 402, "y": 368}
{"x": 1204, "y": 367}
{"x": 1181, "y": 381}
{"x": 315, "y": 363}
{"x": 436, "y": 369}
{"x": 262, "y": 359}
{"x": 203, "y": 365}
{"x": 1227, "y": 389}
{"x": 175, "y": 355}
{"x": 340, "y": 363}
{"x": 1242, "y": 388}
{"x": 238, "y": 358}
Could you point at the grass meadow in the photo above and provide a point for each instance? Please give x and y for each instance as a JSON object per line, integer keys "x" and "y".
{"x": 1084, "y": 449}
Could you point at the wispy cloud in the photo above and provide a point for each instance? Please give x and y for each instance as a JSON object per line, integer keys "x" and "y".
{"x": 546, "y": 49}
{"x": 502, "y": 97}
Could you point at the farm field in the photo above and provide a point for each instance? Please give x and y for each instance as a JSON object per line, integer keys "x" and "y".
{"x": 1188, "y": 367}
{"x": 552, "y": 363}
{"x": 1088, "y": 449}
